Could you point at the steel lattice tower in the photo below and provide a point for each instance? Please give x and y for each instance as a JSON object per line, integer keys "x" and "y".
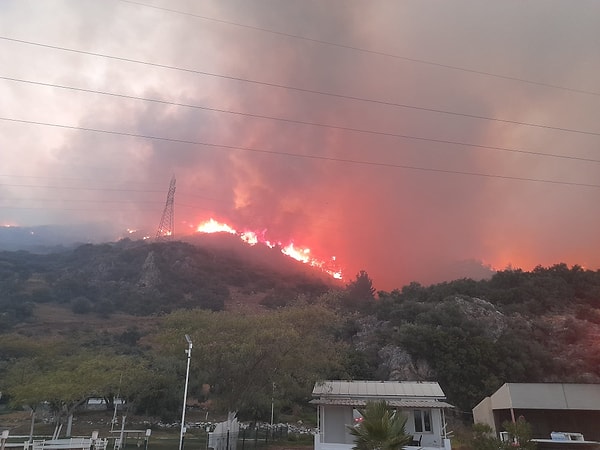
{"x": 165, "y": 229}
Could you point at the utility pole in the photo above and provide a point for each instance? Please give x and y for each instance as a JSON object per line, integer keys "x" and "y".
{"x": 187, "y": 376}
{"x": 272, "y": 405}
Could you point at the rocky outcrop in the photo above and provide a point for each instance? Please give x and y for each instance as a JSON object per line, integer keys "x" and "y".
{"x": 483, "y": 312}
{"x": 401, "y": 367}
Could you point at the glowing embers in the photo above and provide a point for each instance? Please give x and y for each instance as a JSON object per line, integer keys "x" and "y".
{"x": 249, "y": 237}
{"x": 252, "y": 238}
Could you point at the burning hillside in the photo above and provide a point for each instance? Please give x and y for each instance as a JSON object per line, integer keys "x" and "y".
{"x": 302, "y": 254}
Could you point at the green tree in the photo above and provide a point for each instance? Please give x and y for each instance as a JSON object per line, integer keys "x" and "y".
{"x": 519, "y": 435}
{"x": 241, "y": 356}
{"x": 67, "y": 382}
{"x": 360, "y": 292}
{"x": 159, "y": 388}
{"x": 483, "y": 438}
{"x": 22, "y": 359}
{"x": 381, "y": 429}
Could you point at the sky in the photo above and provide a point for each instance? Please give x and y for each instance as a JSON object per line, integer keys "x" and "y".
{"x": 417, "y": 140}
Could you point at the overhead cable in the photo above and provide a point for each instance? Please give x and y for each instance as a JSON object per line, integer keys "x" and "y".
{"x": 304, "y": 90}
{"x": 368, "y": 51}
{"x": 301, "y": 122}
{"x": 295, "y": 155}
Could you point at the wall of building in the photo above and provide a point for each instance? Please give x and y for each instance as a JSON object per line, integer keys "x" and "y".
{"x": 334, "y": 420}
{"x": 482, "y": 413}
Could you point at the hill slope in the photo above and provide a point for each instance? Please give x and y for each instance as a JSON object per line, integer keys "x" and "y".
{"x": 148, "y": 278}
{"x": 127, "y": 298}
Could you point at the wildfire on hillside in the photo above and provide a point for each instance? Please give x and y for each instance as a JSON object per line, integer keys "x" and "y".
{"x": 253, "y": 238}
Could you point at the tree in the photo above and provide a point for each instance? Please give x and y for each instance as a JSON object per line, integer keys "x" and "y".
{"x": 381, "y": 429}
{"x": 360, "y": 292}
{"x": 519, "y": 435}
{"x": 483, "y": 438}
{"x": 81, "y": 305}
{"x": 241, "y": 357}
{"x": 67, "y": 382}
{"x": 22, "y": 359}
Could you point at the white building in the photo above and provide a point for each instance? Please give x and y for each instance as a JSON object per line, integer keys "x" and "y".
{"x": 338, "y": 403}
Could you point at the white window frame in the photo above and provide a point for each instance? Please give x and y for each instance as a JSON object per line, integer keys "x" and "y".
{"x": 422, "y": 421}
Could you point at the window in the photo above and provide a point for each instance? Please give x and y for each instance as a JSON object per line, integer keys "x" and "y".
{"x": 422, "y": 420}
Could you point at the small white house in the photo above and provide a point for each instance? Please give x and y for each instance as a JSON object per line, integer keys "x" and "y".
{"x": 338, "y": 403}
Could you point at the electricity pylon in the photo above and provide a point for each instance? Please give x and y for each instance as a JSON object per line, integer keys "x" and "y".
{"x": 165, "y": 229}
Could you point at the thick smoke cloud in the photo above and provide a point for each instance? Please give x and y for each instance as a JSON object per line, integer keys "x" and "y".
{"x": 381, "y": 186}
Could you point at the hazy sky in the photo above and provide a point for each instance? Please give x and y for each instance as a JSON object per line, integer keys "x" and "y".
{"x": 417, "y": 140}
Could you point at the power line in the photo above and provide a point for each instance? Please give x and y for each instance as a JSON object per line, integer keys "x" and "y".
{"x": 71, "y": 199}
{"x": 131, "y": 203}
{"x": 301, "y": 122}
{"x": 211, "y": 212}
{"x": 295, "y": 155}
{"x": 304, "y": 90}
{"x": 41, "y": 177}
{"x": 75, "y": 200}
{"x": 57, "y": 187}
{"x": 364, "y": 50}
{"x": 76, "y": 209}
{"x": 76, "y": 188}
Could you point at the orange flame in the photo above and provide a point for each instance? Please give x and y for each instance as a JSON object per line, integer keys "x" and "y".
{"x": 252, "y": 238}
{"x": 212, "y": 226}
{"x": 301, "y": 255}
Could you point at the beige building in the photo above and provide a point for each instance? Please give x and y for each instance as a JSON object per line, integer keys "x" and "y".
{"x": 338, "y": 404}
{"x": 547, "y": 407}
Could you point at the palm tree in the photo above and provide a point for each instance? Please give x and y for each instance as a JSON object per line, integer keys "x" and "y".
{"x": 381, "y": 429}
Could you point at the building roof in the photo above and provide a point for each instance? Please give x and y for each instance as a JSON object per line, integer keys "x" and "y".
{"x": 387, "y": 390}
{"x": 419, "y": 404}
{"x": 561, "y": 396}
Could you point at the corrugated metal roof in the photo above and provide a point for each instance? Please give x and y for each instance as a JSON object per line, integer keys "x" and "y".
{"x": 378, "y": 389}
{"x": 420, "y": 404}
{"x": 559, "y": 396}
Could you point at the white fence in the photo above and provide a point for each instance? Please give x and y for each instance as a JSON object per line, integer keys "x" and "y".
{"x": 78, "y": 443}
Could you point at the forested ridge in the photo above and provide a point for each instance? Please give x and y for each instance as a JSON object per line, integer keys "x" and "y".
{"x": 105, "y": 319}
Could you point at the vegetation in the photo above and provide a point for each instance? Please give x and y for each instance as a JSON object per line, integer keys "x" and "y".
{"x": 138, "y": 278}
{"x": 483, "y": 438}
{"x": 519, "y": 437}
{"x": 106, "y": 320}
{"x": 249, "y": 359}
{"x": 381, "y": 428}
